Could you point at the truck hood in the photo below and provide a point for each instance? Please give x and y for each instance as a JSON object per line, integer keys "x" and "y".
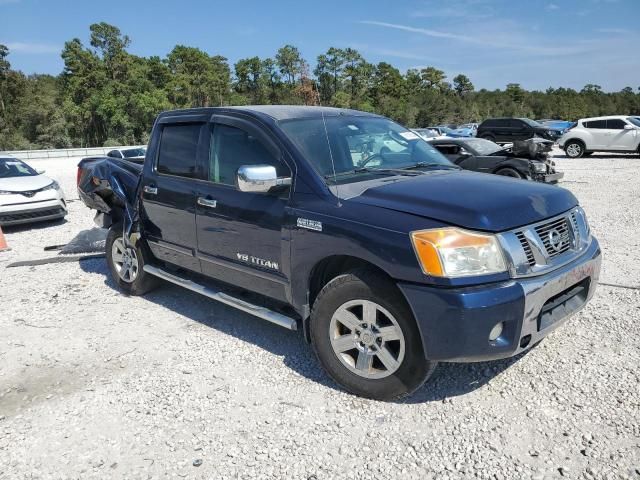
{"x": 471, "y": 200}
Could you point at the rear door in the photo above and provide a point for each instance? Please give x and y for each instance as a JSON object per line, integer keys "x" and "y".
{"x": 169, "y": 191}
{"x": 242, "y": 238}
{"x": 599, "y": 134}
{"x": 519, "y": 130}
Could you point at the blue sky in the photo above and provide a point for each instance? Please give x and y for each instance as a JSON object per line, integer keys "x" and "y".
{"x": 537, "y": 43}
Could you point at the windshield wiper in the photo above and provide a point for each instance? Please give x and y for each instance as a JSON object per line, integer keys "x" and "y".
{"x": 432, "y": 165}
{"x": 357, "y": 170}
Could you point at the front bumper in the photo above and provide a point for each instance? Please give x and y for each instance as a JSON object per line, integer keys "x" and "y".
{"x": 455, "y": 323}
{"x": 549, "y": 177}
{"x": 48, "y": 205}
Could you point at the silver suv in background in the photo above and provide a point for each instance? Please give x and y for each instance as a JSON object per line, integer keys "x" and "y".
{"x": 618, "y": 133}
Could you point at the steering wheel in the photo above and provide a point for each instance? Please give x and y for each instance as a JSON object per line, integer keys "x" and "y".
{"x": 365, "y": 162}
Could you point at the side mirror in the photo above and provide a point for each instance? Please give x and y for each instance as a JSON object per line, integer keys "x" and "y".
{"x": 41, "y": 172}
{"x": 629, "y": 127}
{"x": 259, "y": 178}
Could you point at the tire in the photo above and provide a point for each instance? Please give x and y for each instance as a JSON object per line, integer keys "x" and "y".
{"x": 356, "y": 356}
{"x": 510, "y": 172}
{"x": 488, "y": 136}
{"x": 574, "y": 149}
{"x": 126, "y": 264}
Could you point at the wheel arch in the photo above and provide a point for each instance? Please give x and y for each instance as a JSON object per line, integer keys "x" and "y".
{"x": 330, "y": 267}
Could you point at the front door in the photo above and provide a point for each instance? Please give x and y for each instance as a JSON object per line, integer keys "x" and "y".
{"x": 241, "y": 235}
{"x": 619, "y": 138}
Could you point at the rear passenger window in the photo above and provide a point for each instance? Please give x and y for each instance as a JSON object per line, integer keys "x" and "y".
{"x": 232, "y": 148}
{"x": 596, "y": 124}
{"x": 178, "y": 150}
{"x": 616, "y": 124}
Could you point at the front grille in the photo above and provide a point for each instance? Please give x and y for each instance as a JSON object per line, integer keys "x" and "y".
{"x": 555, "y": 236}
{"x": 13, "y": 217}
{"x": 526, "y": 247}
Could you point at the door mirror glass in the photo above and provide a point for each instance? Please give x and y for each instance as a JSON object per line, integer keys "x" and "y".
{"x": 259, "y": 178}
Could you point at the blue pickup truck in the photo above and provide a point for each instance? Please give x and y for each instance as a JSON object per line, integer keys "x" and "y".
{"x": 350, "y": 227}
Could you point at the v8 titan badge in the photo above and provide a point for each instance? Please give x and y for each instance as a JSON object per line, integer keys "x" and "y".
{"x": 260, "y": 262}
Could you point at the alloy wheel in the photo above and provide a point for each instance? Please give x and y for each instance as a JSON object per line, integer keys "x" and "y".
{"x": 125, "y": 260}
{"x": 367, "y": 339}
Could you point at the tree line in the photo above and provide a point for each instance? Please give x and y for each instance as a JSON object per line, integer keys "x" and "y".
{"x": 107, "y": 96}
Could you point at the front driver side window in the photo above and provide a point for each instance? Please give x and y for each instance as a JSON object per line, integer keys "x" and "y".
{"x": 232, "y": 148}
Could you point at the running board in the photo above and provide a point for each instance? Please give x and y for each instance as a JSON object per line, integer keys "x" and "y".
{"x": 260, "y": 312}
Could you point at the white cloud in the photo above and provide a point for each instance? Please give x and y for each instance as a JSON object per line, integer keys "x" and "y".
{"x": 498, "y": 37}
{"x": 552, "y": 6}
{"x": 32, "y": 48}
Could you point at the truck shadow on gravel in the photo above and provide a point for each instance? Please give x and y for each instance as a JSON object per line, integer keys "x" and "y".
{"x": 449, "y": 380}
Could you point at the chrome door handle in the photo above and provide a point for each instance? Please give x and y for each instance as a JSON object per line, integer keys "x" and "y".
{"x": 205, "y": 202}
{"x": 150, "y": 190}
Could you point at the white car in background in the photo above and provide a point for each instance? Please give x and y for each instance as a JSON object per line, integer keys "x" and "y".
{"x": 428, "y": 133}
{"x": 133, "y": 154}
{"x": 26, "y": 195}
{"x": 617, "y": 133}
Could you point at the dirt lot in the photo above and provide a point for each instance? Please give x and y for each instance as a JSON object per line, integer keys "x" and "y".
{"x": 94, "y": 384}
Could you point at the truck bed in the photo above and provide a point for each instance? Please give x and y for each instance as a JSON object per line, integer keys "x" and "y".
{"x": 105, "y": 182}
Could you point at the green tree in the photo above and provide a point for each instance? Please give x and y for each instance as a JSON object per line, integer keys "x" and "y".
{"x": 462, "y": 85}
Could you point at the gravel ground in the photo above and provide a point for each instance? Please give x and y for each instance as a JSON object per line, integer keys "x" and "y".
{"x": 94, "y": 384}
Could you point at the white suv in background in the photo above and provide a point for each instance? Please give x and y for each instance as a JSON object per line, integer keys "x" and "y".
{"x": 618, "y": 133}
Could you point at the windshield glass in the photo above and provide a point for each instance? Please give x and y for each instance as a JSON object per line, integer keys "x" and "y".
{"x": 533, "y": 123}
{"x": 134, "y": 152}
{"x": 482, "y": 146}
{"x": 12, "y": 167}
{"x": 358, "y": 142}
{"x": 635, "y": 121}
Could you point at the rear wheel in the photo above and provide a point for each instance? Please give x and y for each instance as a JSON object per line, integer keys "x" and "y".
{"x": 509, "y": 172}
{"x": 366, "y": 338}
{"x": 574, "y": 149}
{"x": 126, "y": 263}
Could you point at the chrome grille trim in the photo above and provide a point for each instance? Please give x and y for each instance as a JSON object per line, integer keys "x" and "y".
{"x": 544, "y": 246}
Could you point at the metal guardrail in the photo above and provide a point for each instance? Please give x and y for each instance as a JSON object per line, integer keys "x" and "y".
{"x": 64, "y": 152}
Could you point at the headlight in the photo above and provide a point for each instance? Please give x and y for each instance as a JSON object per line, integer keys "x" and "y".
{"x": 54, "y": 186}
{"x": 539, "y": 167}
{"x": 453, "y": 252}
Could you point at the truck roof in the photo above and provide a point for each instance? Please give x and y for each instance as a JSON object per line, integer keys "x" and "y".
{"x": 276, "y": 112}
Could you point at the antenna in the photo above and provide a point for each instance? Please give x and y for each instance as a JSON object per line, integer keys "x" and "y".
{"x": 333, "y": 165}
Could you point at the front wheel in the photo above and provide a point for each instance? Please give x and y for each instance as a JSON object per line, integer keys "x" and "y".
{"x": 126, "y": 263}
{"x": 510, "y": 172}
{"x": 366, "y": 338}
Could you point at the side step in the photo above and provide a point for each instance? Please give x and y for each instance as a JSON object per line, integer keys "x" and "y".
{"x": 260, "y": 312}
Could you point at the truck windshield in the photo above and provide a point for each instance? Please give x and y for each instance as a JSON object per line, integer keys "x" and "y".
{"x": 12, "y": 167}
{"x": 349, "y": 146}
